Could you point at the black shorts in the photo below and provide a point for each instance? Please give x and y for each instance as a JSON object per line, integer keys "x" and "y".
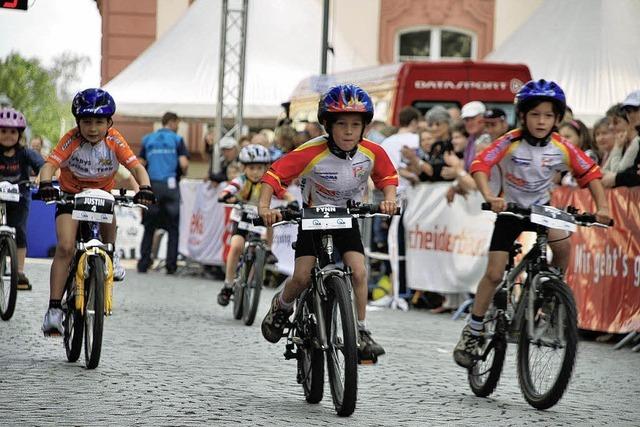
{"x": 506, "y": 231}
{"x": 17, "y": 214}
{"x": 237, "y": 231}
{"x": 63, "y": 209}
{"x": 343, "y": 240}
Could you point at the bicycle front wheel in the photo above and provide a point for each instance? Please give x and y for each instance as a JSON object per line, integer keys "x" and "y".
{"x": 546, "y": 357}
{"x": 73, "y": 321}
{"x": 342, "y": 354}
{"x": 9, "y": 270}
{"x": 94, "y": 312}
{"x": 238, "y": 289}
{"x": 251, "y": 295}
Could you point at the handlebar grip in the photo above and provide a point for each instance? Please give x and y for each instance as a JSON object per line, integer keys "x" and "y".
{"x": 257, "y": 222}
{"x": 486, "y": 206}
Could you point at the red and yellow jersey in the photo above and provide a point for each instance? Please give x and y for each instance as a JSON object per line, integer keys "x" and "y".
{"x": 528, "y": 171}
{"x": 329, "y": 179}
{"x": 85, "y": 165}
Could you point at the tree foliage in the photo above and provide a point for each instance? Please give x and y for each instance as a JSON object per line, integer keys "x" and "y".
{"x": 32, "y": 89}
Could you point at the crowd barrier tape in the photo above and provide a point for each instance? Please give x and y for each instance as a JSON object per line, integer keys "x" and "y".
{"x": 446, "y": 244}
{"x": 604, "y": 267}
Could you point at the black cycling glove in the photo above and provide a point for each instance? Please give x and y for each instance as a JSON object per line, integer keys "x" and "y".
{"x": 145, "y": 196}
{"x": 294, "y": 206}
{"x": 47, "y": 192}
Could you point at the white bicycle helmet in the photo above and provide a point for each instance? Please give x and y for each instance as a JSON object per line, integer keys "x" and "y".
{"x": 254, "y": 153}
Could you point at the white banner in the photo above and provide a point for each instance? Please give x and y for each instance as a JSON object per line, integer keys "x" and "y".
{"x": 446, "y": 245}
{"x": 129, "y": 232}
{"x": 206, "y": 225}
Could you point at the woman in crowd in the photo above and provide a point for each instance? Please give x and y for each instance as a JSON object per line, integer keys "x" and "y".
{"x": 602, "y": 139}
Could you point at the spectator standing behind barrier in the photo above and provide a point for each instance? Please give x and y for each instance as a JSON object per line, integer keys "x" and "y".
{"x": 165, "y": 155}
{"x": 576, "y": 133}
{"x": 495, "y": 123}
{"x": 602, "y": 139}
{"x": 625, "y": 146}
{"x": 629, "y": 176}
{"x": 472, "y": 115}
{"x": 228, "y": 155}
{"x": 405, "y": 137}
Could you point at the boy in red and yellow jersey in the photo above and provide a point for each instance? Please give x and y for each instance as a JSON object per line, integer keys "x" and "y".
{"x": 334, "y": 169}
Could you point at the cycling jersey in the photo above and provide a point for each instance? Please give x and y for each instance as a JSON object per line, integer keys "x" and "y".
{"x": 528, "y": 170}
{"x": 243, "y": 189}
{"x": 328, "y": 179}
{"x": 85, "y": 165}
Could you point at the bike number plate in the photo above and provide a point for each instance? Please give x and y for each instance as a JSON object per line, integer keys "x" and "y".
{"x": 326, "y": 223}
{"x": 552, "y": 218}
{"x": 94, "y": 206}
{"x": 9, "y": 192}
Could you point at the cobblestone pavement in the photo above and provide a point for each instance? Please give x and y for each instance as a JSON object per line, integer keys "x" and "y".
{"x": 172, "y": 356}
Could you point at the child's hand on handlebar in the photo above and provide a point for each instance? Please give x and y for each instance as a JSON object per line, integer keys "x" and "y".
{"x": 388, "y": 207}
{"x": 498, "y": 204}
{"x": 269, "y": 216}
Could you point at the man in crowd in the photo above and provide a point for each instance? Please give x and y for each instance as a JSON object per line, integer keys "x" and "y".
{"x": 166, "y": 158}
{"x": 472, "y": 115}
{"x": 495, "y": 123}
{"x": 229, "y": 151}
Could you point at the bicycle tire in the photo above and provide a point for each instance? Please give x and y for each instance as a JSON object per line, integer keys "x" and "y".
{"x": 556, "y": 297}
{"x": 8, "y": 303}
{"x": 73, "y": 322}
{"x": 94, "y": 312}
{"x": 484, "y": 376}
{"x": 310, "y": 362}
{"x": 253, "y": 288}
{"x": 238, "y": 290}
{"x": 344, "y": 392}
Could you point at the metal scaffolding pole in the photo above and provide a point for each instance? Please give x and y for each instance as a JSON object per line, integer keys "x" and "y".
{"x": 233, "y": 42}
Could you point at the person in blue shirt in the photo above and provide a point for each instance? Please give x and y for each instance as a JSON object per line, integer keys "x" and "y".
{"x": 166, "y": 158}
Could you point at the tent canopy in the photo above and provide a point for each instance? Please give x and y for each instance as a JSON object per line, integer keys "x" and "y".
{"x": 179, "y": 72}
{"x": 589, "y": 47}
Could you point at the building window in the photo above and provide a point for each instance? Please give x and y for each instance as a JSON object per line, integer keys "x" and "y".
{"x": 435, "y": 44}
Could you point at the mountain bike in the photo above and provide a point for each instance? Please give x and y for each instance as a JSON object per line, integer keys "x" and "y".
{"x": 9, "y": 193}
{"x": 250, "y": 271}
{"x": 324, "y": 319}
{"x": 88, "y": 290}
{"x": 535, "y": 309}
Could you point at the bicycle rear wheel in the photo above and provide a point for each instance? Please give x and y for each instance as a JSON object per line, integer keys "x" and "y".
{"x": 342, "y": 355}
{"x": 73, "y": 321}
{"x": 546, "y": 359}
{"x": 94, "y": 312}
{"x": 310, "y": 358}
{"x": 252, "y": 289}
{"x": 485, "y": 373}
{"x": 9, "y": 271}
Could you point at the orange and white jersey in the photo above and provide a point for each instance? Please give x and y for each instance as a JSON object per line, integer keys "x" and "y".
{"x": 329, "y": 179}
{"x": 85, "y": 165}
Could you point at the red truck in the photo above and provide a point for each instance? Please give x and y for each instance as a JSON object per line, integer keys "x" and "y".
{"x": 420, "y": 84}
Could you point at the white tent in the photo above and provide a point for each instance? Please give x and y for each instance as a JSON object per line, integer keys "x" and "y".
{"x": 590, "y": 47}
{"x": 179, "y": 72}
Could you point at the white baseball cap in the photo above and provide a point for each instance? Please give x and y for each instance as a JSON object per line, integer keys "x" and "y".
{"x": 632, "y": 100}
{"x": 472, "y": 109}
{"x": 227, "y": 142}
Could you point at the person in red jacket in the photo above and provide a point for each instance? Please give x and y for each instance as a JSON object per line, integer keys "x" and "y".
{"x": 335, "y": 168}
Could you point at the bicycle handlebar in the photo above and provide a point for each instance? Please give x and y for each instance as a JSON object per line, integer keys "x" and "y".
{"x": 357, "y": 211}
{"x": 585, "y": 219}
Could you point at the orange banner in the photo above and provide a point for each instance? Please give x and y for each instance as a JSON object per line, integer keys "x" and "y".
{"x": 604, "y": 268}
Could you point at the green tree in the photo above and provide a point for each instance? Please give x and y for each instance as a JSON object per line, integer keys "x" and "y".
{"x": 32, "y": 90}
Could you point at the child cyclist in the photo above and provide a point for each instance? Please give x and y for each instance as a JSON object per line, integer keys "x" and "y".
{"x": 334, "y": 168}
{"x": 16, "y": 162}
{"x": 529, "y": 158}
{"x": 255, "y": 160}
{"x": 88, "y": 157}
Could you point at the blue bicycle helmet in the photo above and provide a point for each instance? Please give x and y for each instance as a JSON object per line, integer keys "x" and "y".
{"x": 93, "y": 102}
{"x": 540, "y": 90}
{"x": 347, "y": 98}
